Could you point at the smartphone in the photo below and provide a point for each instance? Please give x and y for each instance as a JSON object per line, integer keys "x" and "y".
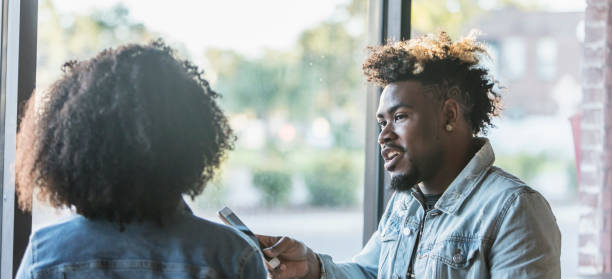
{"x": 230, "y": 218}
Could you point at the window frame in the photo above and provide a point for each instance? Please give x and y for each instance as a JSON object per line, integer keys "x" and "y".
{"x": 388, "y": 21}
{"x": 17, "y": 81}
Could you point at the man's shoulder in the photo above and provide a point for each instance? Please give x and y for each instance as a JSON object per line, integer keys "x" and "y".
{"x": 501, "y": 190}
{"x": 498, "y": 182}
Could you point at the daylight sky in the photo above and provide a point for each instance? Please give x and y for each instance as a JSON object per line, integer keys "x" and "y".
{"x": 243, "y": 25}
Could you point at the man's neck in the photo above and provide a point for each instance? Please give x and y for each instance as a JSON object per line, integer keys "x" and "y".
{"x": 455, "y": 161}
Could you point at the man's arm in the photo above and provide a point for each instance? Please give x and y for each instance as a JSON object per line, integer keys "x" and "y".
{"x": 528, "y": 242}
{"x": 299, "y": 261}
{"x": 363, "y": 265}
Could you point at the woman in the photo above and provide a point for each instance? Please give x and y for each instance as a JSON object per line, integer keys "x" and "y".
{"x": 120, "y": 138}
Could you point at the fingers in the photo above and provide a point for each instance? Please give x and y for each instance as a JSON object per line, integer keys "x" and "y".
{"x": 287, "y": 248}
{"x": 292, "y": 253}
{"x": 285, "y": 271}
{"x": 283, "y": 245}
{"x": 279, "y": 273}
{"x": 274, "y": 245}
{"x": 269, "y": 267}
{"x": 266, "y": 240}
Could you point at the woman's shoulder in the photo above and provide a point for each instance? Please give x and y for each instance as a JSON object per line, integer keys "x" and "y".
{"x": 188, "y": 239}
{"x": 206, "y": 229}
{"x": 59, "y": 228}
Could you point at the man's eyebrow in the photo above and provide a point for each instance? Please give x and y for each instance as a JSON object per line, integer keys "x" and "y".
{"x": 394, "y": 108}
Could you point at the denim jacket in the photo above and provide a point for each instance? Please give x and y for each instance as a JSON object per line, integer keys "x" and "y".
{"x": 185, "y": 247}
{"x": 487, "y": 224}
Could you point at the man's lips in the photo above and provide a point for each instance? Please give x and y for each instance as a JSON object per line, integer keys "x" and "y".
{"x": 391, "y": 154}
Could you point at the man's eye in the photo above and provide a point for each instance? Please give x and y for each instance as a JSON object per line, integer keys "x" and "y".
{"x": 400, "y": 117}
{"x": 382, "y": 123}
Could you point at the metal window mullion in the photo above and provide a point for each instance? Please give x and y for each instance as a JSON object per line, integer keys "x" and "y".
{"x": 8, "y": 126}
{"x": 28, "y": 27}
{"x": 389, "y": 20}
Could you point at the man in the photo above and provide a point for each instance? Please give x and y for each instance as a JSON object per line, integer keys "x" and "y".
{"x": 453, "y": 214}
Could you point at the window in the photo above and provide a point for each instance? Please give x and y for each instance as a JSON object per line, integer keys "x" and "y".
{"x": 514, "y": 55}
{"x": 17, "y": 82}
{"x": 546, "y": 55}
{"x": 314, "y": 99}
{"x": 291, "y": 85}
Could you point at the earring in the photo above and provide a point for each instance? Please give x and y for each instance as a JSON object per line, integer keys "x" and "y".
{"x": 449, "y": 128}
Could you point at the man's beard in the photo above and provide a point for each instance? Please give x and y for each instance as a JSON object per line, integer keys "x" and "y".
{"x": 404, "y": 182}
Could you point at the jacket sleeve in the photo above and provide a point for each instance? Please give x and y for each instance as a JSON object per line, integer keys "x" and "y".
{"x": 365, "y": 263}
{"x": 528, "y": 241}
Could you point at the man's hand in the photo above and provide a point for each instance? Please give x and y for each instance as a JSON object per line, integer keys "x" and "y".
{"x": 296, "y": 259}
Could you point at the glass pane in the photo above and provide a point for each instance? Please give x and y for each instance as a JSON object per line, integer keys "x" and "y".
{"x": 542, "y": 91}
{"x": 289, "y": 73}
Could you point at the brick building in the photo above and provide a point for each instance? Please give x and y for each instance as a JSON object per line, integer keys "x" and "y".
{"x": 595, "y": 191}
{"x": 535, "y": 54}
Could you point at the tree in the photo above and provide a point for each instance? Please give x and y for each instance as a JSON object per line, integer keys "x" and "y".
{"x": 320, "y": 77}
{"x": 67, "y": 37}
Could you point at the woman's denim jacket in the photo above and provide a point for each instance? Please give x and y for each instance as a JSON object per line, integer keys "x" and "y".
{"x": 186, "y": 247}
{"x": 487, "y": 224}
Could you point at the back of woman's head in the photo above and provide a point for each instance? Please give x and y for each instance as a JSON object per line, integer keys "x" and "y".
{"x": 121, "y": 136}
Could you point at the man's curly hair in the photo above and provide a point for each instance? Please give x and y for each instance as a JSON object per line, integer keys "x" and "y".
{"x": 444, "y": 64}
{"x": 122, "y": 135}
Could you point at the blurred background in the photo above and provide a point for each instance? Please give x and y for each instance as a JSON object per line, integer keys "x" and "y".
{"x": 290, "y": 75}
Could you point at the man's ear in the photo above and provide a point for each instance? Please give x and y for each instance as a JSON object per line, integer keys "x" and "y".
{"x": 450, "y": 114}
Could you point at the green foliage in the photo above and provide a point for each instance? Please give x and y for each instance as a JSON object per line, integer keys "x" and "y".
{"x": 332, "y": 180}
{"x": 320, "y": 77}
{"x": 274, "y": 184}
{"x": 257, "y": 84}
{"x": 431, "y": 16}
{"x": 73, "y": 36}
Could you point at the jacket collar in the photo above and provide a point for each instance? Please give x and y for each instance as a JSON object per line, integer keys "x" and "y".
{"x": 468, "y": 179}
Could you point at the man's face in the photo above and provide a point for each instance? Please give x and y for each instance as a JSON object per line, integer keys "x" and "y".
{"x": 410, "y": 137}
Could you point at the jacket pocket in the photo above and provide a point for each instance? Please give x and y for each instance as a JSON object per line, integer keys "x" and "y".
{"x": 390, "y": 237}
{"x": 454, "y": 258}
{"x": 389, "y": 241}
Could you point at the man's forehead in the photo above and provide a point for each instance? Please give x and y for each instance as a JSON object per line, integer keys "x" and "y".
{"x": 404, "y": 93}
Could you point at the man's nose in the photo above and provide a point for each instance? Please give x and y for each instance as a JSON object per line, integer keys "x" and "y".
{"x": 386, "y": 134}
